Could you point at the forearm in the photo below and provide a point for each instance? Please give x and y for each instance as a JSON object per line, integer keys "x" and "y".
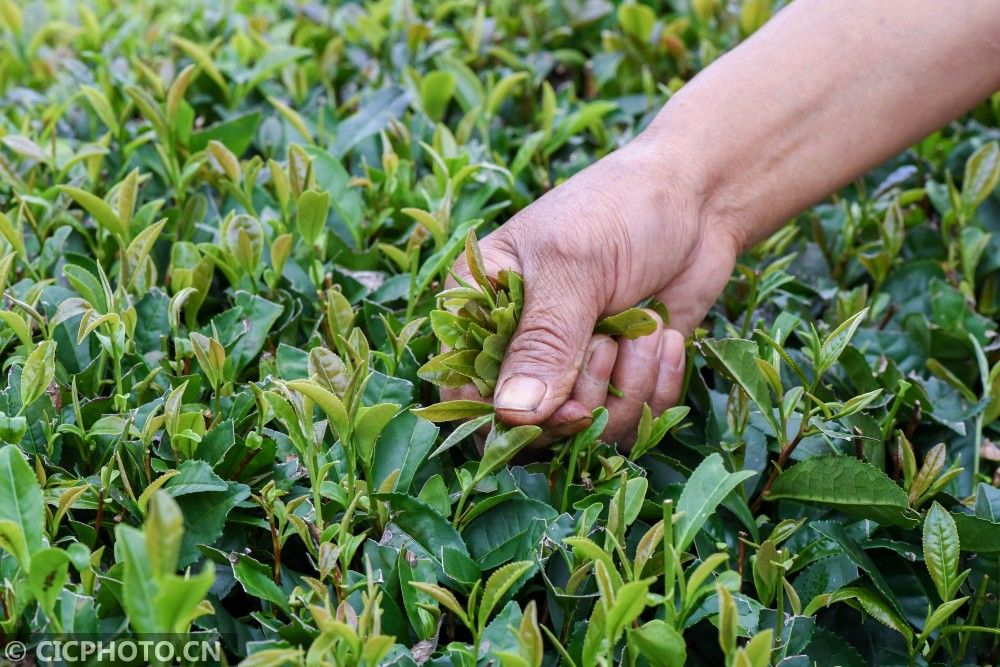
{"x": 825, "y": 91}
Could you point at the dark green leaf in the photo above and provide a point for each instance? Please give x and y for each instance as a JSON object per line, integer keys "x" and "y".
{"x": 848, "y": 485}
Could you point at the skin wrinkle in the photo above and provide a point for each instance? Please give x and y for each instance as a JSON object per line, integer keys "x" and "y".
{"x": 542, "y": 346}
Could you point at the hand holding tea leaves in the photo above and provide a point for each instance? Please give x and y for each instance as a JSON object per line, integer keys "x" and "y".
{"x": 475, "y": 324}
{"x": 720, "y": 167}
{"x": 557, "y": 368}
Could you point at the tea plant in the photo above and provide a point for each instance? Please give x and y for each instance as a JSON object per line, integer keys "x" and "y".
{"x": 226, "y": 235}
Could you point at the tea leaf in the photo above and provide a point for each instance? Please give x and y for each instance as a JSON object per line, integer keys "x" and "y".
{"x": 632, "y": 323}
{"x": 138, "y": 583}
{"x": 660, "y": 644}
{"x": 707, "y": 487}
{"x": 436, "y": 90}
{"x": 474, "y": 260}
{"x": 982, "y": 173}
{"x": 22, "y": 506}
{"x": 255, "y": 578}
{"x": 502, "y": 446}
{"x": 463, "y": 431}
{"x": 869, "y": 602}
{"x": 637, "y": 20}
{"x": 452, "y": 410}
{"x": 328, "y": 402}
{"x": 49, "y": 571}
{"x": 98, "y": 209}
{"x": 13, "y": 542}
{"x": 977, "y": 535}
{"x": 127, "y": 194}
{"x": 846, "y": 484}
{"x": 444, "y": 597}
{"x": 39, "y": 372}
{"x": 933, "y": 464}
{"x": 18, "y": 325}
{"x": 101, "y": 106}
{"x": 838, "y": 340}
{"x": 402, "y": 445}
{"x": 164, "y": 529}
{"x": 428, "y": 529}
{"x": 497, "y": 586}
{"x": 737, "y": 359}
{"x": 225, "y": 161}
{"x": 312, "y": 213}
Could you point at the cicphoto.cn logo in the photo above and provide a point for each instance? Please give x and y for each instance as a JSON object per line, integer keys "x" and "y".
{"x": 122, "y": 650}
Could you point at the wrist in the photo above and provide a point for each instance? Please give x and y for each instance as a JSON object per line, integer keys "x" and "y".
{"x": 685, "y": 170}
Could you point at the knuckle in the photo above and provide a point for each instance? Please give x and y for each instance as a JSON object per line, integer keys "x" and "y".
{"x": 543, "y": 345}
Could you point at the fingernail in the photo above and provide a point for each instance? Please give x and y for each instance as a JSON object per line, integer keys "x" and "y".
{"x": 520, "y": 393}
{"x": 673, "y": 350}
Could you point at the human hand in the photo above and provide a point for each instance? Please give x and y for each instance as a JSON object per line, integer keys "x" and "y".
{"x": 616, "y": 233}
{"x": 770, "y": 128}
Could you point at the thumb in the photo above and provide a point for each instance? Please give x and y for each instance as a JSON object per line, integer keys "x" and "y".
{"x": 545, "y": 356}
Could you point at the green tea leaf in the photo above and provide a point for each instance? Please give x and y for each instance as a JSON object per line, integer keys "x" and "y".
{"x": 138, "y": 583}
{"x": 474, "y": 260}
{"x": 12, "y": 541}
{"x": 637, "y": 20}
{"x": 848, "y": 485}
{"x": 403, "y": 445}
{"x": 13, "y": 235}
{"x": 507, "y": 530}
{"x": 630, "y": 601}
{"x": 941, "y": 549}
{"x": 313, "y": 209}
{"x": 255, "y": 578}
{"x": 737, "y": 359}
{"x": 448, "y": 327}
{"x": 498, "y": 585}
{"x": 99, "y": 210}
{"x": 436, "y": 90}
{"x": 632, "y": 323}
{"x": 164, "y": 530}
{"x": 428, "y": 529}
{"x": 707, "y": 487}
{"x": 463, "y": 431}
{"x": 502, "y": 446}
{"x": 328, "y": 402}
{"x": 660, "y": 644}
{"x": 369, "y": 424}
{"x": 982, "y": 173}
{"x": 977, "y": 535}
{"x": 870, "y": 602}
{"x": 181, "y": 599}
{"x": 49, "y": 571}
{"x": 838, "y": 340}
{"x": 838, "y": 534}
{"x": 22, "y": 504}
{"x": 127, "y": 193}
{"x": 445, "y": 597}
{"x": 447, "y": 411}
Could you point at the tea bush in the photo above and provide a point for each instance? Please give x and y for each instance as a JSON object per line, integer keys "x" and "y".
{"x": 225, "y": 225}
